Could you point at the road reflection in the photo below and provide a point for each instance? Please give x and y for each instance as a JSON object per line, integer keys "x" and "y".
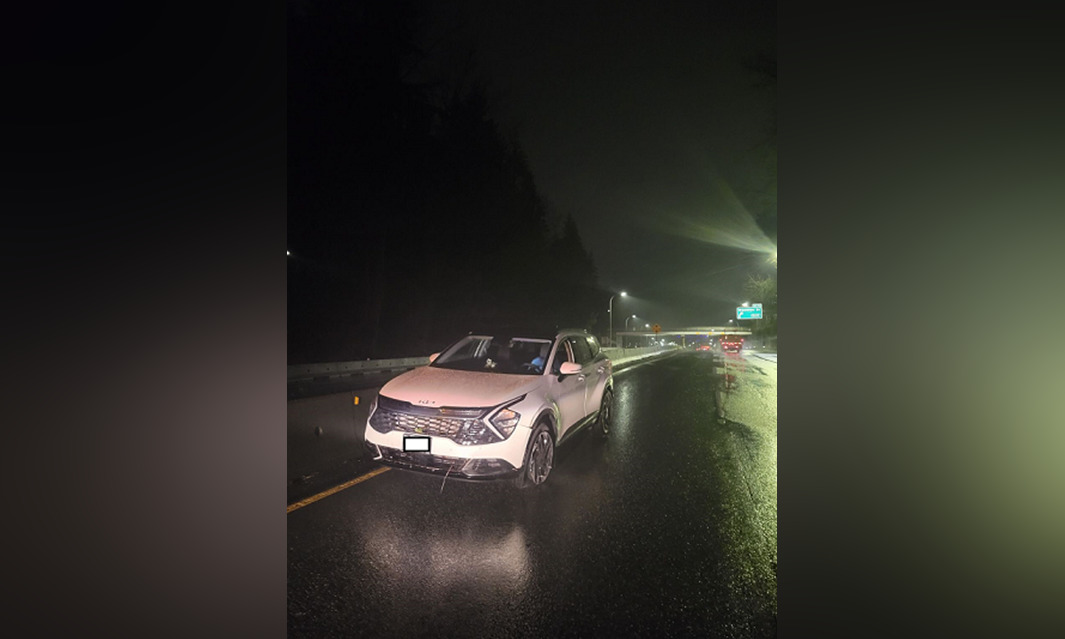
{"x": 438, "y": 561}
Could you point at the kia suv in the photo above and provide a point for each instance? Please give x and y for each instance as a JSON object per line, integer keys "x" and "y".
{"x": 493, "y": 405}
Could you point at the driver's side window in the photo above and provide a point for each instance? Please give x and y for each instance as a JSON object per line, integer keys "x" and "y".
{"x": 563, "y": 354}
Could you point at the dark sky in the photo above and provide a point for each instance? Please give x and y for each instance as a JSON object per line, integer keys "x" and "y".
{"x": 647, "y": 123}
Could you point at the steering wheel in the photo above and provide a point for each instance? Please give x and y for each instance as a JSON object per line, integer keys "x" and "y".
{"x": 529, "y": 366}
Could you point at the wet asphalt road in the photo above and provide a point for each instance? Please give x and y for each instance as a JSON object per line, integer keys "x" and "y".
{"x": 668, "y": 529}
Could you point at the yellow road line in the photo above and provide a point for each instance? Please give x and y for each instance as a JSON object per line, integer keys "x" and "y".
{"x": 335, "y": 489}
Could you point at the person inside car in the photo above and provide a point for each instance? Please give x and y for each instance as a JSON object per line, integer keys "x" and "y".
{"x": 538, "y": 364}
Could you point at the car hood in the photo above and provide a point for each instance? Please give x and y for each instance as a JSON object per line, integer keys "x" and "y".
{"x": 430, "y": 386}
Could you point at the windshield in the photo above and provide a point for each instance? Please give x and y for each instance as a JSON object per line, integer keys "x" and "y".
{"x": 485, "y": 353}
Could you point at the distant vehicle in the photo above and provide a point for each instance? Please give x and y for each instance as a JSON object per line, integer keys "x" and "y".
{"x": 493, "y": 406}
{"x": 732, "y": 344}
{"x": 703, "y": 347}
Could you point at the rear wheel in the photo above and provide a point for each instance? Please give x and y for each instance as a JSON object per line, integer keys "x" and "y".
{"x": 605, "y": 421}
{"x": 539, "y": 458}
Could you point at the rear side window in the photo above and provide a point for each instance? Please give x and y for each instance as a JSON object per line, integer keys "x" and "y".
{"x": 593, "y": 346}
{"x": 580, "y": 350}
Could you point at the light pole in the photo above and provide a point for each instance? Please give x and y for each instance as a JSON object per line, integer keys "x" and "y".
{"x": 610, "y": 315}
{"x": 627, "y": 327}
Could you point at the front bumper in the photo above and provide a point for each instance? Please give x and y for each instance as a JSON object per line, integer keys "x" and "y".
{"x": 470, "y": 468}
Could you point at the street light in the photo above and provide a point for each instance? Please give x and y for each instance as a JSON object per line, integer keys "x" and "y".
{"x": 610, "y": 312}
{"x": 627, "y": 322}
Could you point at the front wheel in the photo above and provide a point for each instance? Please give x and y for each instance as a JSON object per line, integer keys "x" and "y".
{"x": 605, "y": 421}
{"x": 539, "y": 457}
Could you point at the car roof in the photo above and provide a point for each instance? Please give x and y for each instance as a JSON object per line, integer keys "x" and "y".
{"x": 573, "y": 331}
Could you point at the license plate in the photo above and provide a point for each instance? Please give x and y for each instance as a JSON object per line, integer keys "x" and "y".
{"x": 415, "y": 444}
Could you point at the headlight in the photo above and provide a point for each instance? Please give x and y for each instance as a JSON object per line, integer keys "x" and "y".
{"x": 506, "y": 421}
{"x": 379, "y": 421}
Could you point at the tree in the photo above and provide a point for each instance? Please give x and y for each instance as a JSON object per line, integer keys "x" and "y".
{"x": 754, "y": 170}
{"x": 401, "y": 179}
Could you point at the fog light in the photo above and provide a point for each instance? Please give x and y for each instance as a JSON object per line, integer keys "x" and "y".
{"x": 480, "y": 467}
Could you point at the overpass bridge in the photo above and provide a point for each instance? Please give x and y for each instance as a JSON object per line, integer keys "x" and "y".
{"x": 694, "y": 332}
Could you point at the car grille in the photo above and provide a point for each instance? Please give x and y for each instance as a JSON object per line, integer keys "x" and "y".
{"x": 386, "y": 420}
{"x": 463, "y": 426}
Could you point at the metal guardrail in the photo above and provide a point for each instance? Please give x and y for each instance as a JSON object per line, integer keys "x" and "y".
{"x": 339, "y": 369}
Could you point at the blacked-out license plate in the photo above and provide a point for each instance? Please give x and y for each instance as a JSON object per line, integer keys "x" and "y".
{"x": 415, "y": 444}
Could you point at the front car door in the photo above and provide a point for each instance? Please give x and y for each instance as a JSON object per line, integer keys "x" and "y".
{"x": 568, "y": 390}
{"x": 583, "y": 352}
{"x": 597, "y": 372}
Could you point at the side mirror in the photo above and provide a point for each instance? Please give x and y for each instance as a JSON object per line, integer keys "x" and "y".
{"x": 432, "y": 358}
{"x": 569, "y": 368}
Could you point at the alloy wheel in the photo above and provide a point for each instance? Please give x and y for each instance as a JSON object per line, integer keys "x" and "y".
{"x": 606, "y": 413}
{"x": 541, "y": 457}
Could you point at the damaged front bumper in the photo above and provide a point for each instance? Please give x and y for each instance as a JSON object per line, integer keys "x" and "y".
{"x": 473, "y": 469}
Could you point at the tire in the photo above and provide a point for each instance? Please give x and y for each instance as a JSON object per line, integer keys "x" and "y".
{"x": 605, "y": 421}
{"x": 539, "y": 457}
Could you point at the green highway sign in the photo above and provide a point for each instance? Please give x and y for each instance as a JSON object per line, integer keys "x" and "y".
{"x": 754, "y": 311}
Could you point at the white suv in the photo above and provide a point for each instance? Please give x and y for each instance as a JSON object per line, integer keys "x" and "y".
{"x": 492, "y": 406}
